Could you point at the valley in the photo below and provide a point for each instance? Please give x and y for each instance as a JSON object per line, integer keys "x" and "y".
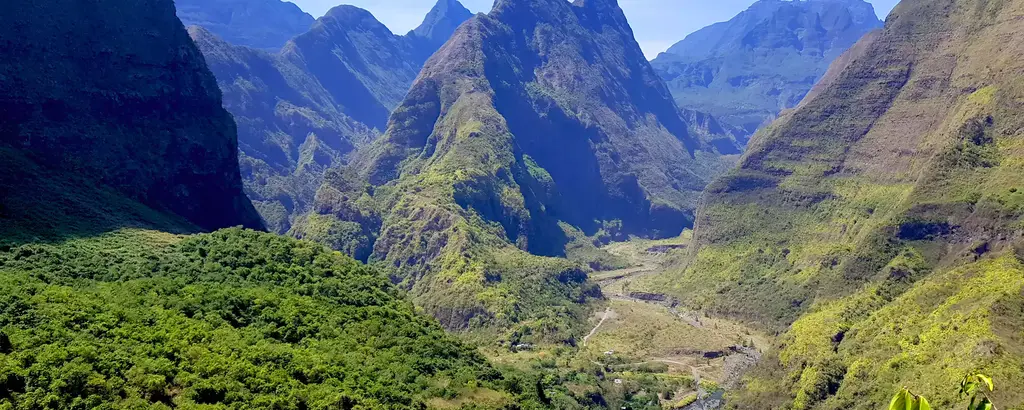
{"x": 233, "y": 205}
{"x": 645, "y": 345}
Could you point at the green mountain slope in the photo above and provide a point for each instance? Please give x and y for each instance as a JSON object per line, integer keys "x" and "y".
{"x": 746, "y": 70}
{"x": 303, "y": 110}
{"x": 882, "y": 219}
{"x": 233, "y": 319}
{"x": 261, "y": 24}
{"x": 91, "y": 110}
{"x": 535, "y": 126}
{"x": 116, "y": 124}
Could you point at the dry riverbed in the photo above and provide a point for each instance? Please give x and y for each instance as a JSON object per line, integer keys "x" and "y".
{"x": 646, "y": 329}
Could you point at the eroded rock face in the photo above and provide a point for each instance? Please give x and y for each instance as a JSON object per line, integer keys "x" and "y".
{"x": 746, "y": 70}
{"x": 115, "y": 93}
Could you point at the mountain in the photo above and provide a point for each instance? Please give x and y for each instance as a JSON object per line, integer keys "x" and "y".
{"x": 440, "y": 23}
{"x": 112, "y": 130}
{"x": 536, "y": 127}
{"x": 746, "y": 70}
{"x": 262, "y": 24}
{"x": 329, "y": 90}
{"x": 878, "y": 225}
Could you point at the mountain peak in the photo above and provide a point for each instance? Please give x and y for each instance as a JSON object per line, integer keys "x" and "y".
{"x": 351, "y": 17}
{"x": 534, "y": 122}
{"x": 441, "y": 21}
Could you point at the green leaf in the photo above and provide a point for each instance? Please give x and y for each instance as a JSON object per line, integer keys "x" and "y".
{"x": 905, "y": 400}
{"x": 968, "y": 387}
{"x": 922, "y": 404}
{"x": 987, "y": 380}
{"x": 901, "y": 401}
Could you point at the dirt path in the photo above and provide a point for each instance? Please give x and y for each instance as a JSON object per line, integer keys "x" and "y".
{"x": 607, "y": 312}
{"x": 616, "y": 286}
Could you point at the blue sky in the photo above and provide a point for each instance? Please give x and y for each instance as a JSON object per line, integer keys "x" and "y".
{"x": 657, "y": 24}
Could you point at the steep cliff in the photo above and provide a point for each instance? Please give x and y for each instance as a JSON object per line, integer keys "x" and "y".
{"x": 102, "y": 112}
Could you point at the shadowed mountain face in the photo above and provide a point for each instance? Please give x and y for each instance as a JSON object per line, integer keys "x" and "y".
{"x": 302, "y": 110}
{"x": 105, "y": 104}
{"x": 262, "y": 24}
{"x": 882, "y": 219}
{"x": 746, "y": 70}
{"x": 534, "y": 123}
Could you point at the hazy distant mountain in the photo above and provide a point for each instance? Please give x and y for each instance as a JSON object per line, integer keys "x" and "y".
{"x": 746, "y": 70}
{"x": 329, "y": 90}
{"x": 537, "y": 123}
{"x": 111, "y": 119}
{"x": 264, "y": 24}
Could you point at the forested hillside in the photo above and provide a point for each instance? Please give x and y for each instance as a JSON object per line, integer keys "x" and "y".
{"x": 524, "y": 179}
{"x": 882, "y": 220}
{"x": 115, "y": 143}
{"x": 233, "y": 319}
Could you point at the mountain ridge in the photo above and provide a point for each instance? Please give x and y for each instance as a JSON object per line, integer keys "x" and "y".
{"x": 262, "y": 24}
{"x": 744, "y": 71}
{"x": 306, "y": 108}
{"x": 536, "y": 125}
{"x": 877, "y": 225}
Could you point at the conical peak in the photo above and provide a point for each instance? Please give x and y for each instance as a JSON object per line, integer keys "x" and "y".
{"x": 442, "y": 20}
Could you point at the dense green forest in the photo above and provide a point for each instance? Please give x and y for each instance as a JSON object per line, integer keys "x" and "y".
{"x": 233, "y": 319}
{"x": 239, "y": 319}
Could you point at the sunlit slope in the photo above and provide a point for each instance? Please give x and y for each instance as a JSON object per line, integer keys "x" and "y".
{"x": 536, "y": 125}
{"x": 881, "y": 217}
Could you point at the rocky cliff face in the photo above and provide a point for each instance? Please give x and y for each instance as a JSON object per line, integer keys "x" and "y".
{"x": 113, "y": 99}
{"x": 533, "y": 123}
{"x": 303, "y": 110}
{"x": 261, "y": 24}
{"x": 882, "y": 219}
{"x": 746, "y": 70}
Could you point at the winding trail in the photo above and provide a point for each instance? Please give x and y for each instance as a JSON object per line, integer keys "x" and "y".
{"x": 607, "y": 313}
